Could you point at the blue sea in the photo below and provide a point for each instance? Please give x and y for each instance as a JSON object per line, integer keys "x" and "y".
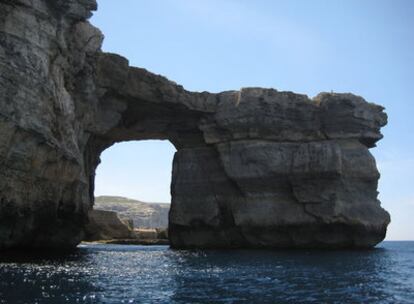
{"x": 157, "y": 274}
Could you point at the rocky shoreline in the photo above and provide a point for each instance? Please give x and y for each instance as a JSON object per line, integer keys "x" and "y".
{"x": 146, "y": 242}
{"x": 106, "y": 227}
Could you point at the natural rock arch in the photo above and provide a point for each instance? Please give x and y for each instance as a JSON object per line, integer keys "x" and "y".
{"x": 253, "y": 168}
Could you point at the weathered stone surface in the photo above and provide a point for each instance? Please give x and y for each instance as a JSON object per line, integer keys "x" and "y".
{"x": 253, "y": 168}
{"x": 45, "y": 66}
{"x": 106, "y": 225}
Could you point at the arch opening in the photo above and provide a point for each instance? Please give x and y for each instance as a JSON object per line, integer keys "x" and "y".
{"x": 132, "y": 192}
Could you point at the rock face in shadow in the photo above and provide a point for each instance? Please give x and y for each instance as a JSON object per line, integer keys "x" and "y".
{"x": 253, "y": 168}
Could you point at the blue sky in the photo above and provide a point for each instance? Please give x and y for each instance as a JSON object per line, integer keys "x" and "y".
{"x": 364, "y": 47}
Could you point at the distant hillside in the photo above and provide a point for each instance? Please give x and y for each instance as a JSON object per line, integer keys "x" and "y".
{"x": 148, "y": 215}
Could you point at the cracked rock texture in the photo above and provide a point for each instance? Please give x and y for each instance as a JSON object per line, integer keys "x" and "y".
{"x": 253, "y": 168}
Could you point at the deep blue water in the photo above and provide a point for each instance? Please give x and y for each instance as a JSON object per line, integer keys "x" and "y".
{"x": 157, "y": 274}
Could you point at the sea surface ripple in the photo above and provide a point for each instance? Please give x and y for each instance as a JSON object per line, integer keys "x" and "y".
{"x": 157, "y": 274}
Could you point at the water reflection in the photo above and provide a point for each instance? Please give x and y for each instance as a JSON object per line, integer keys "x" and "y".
{"x": 137, "y": 274}
{"x": 298, "y": 276}
{"x": 45, "y": 277}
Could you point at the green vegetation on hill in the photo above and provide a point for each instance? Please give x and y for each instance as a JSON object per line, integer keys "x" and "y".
{"x": 147, "y": 215}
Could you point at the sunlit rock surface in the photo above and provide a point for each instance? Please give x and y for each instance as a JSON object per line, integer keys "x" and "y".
{"x": 253, "y": 168}
{"x": 107, "y": 225}
{"x": 143, "y": 214}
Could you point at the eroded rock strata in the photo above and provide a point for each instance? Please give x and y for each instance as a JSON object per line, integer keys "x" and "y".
{"x": 253, "y": 168}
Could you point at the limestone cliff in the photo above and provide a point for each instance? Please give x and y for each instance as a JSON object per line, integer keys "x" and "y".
{"x": 253, "y": 168}
{"x": 143, "y": 215}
